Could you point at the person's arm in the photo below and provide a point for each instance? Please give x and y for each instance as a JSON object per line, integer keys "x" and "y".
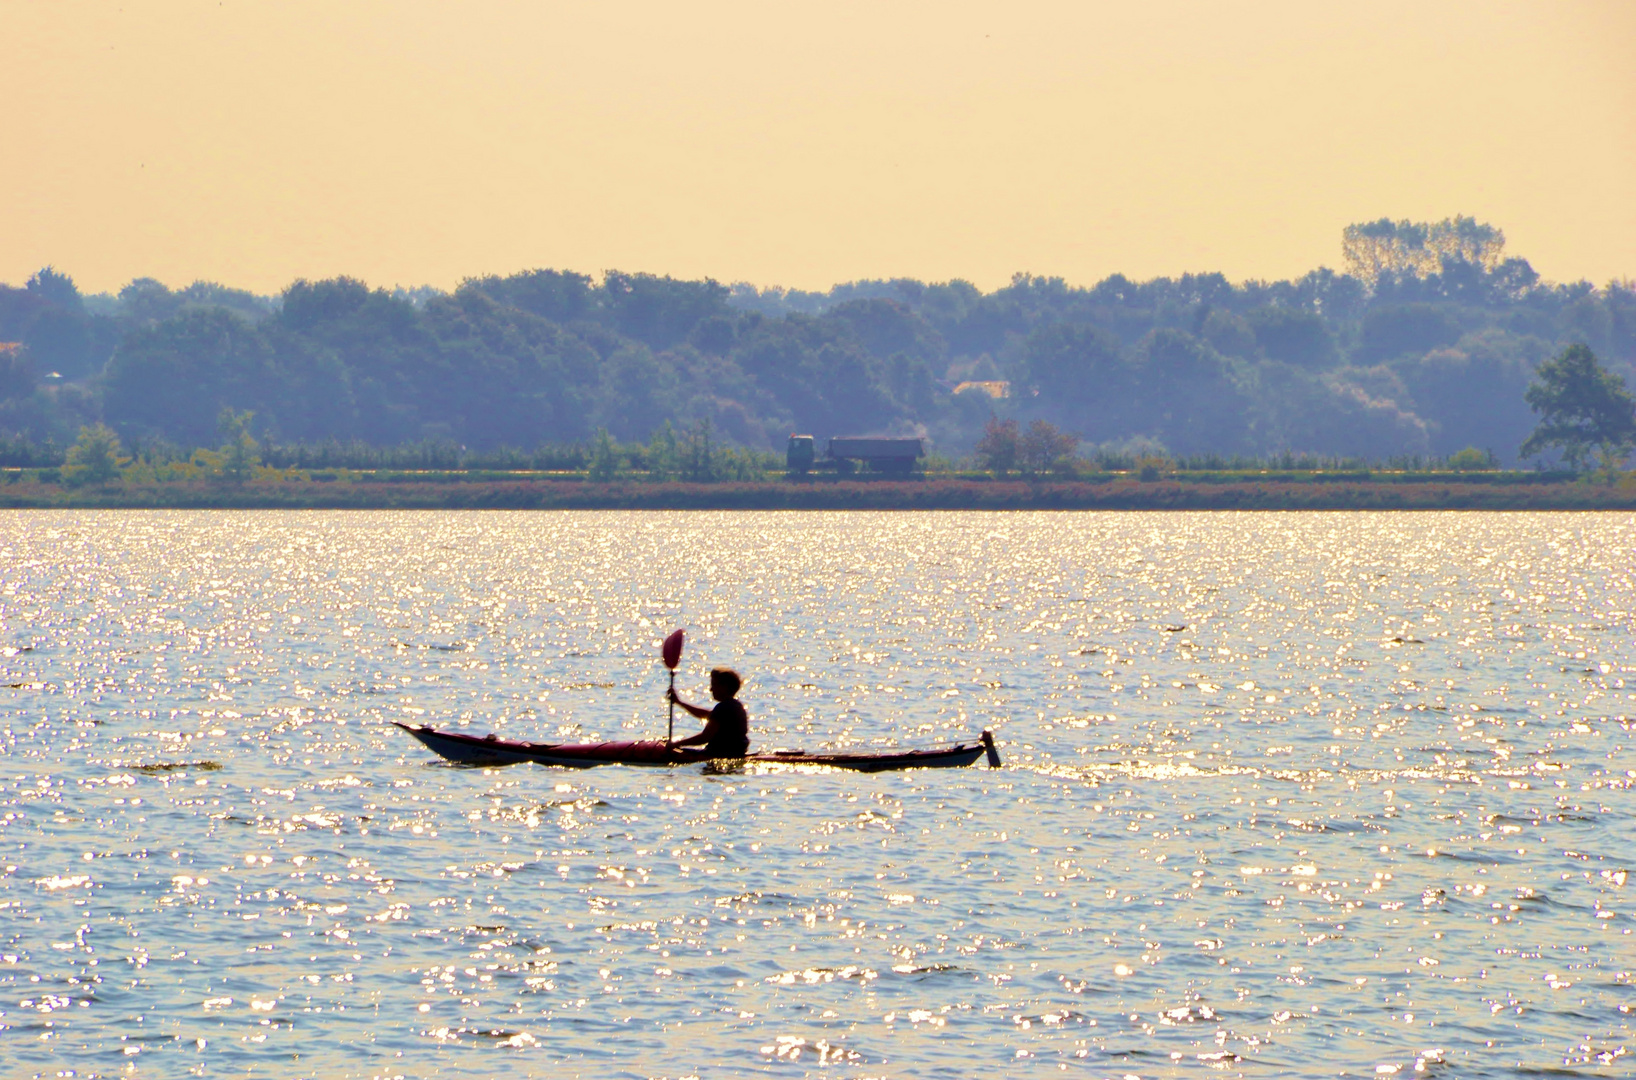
{"x": 703, "y": 714}
{"x": 694, "y": 710}
{"x": 696, "y": 740}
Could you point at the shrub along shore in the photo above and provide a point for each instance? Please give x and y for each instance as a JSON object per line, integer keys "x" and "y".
{"x": 1217, "y": 490}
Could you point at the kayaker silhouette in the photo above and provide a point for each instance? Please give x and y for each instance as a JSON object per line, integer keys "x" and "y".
{"x": 727, "y": 726}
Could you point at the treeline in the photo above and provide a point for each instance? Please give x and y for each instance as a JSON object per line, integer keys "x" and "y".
{"x": 691, "y": 456}
{"x": 1423, "y": 346}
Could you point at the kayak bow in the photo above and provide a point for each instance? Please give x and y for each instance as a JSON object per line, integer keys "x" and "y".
{"x": 492, "y": 750}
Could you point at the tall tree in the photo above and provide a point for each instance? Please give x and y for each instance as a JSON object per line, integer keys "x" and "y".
{"x": 997, "y": 450}
{"x": 1044, "y": 448}
{"x": 559, "y": 295}
{"x": 1419, "y": 249}
{"x": 1582, "y": 407}
{"x": 94, "y": 457}
{"x": 173, "y": 378}
{"x": 57, "y": 288}
{"x": 240, "y": 454}
{"x": 604, "y": 458}
{"x": 658, "y": 311}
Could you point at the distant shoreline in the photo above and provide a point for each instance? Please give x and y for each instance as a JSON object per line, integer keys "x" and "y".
{"x": 1475, "y": 493}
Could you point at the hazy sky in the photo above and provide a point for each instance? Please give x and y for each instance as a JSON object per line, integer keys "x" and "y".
{"x": 800, "y": 144}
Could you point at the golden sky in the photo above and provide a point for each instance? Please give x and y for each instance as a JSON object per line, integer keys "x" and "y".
{"x": 801, "y": 144}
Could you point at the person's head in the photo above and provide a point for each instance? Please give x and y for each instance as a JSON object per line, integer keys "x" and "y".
{"x": 724, "y": 683}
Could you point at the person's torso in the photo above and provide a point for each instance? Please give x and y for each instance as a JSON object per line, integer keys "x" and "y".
{"x": 731, "y": 737}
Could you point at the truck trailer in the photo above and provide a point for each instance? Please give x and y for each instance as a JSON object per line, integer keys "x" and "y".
{"x": 845, "y": 452}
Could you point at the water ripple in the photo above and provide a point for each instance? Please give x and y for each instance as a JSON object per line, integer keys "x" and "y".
{"x": 1285, "y": 793}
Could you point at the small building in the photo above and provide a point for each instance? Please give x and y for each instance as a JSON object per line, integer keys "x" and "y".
{"x": 994, "y": 388}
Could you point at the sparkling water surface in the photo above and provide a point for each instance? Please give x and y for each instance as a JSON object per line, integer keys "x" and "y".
{"x": 1284, "y": 794}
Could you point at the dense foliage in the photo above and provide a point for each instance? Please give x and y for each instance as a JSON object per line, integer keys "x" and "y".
{"x": 1424, "y": 346}
{"x": 1583, "y": 409}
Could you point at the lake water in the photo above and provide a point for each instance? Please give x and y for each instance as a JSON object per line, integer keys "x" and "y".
{"x": 1322, "y": 794}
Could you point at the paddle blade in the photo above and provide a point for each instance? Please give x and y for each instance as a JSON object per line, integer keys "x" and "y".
{"x": 672, "y": 650}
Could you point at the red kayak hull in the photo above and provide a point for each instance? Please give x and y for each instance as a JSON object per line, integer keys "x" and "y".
{"x": 491, "y": 750}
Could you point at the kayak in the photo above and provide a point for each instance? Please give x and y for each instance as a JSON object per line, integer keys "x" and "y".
{"x": 492, "y": 750}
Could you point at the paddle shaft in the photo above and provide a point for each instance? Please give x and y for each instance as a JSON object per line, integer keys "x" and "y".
{"x": 671, "y": 650}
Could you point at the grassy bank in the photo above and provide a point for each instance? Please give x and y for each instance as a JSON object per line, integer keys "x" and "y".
{"x": 1478, "y": 491}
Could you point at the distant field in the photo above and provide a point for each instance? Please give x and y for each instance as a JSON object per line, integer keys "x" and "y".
{"x": 1201, "y": 491}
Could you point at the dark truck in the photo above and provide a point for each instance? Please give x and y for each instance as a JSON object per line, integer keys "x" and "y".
{"x": 846, "y": 452}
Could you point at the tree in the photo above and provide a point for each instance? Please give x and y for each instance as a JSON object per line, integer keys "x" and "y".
{"x": 604, "y": 458}
{"x": 16, "y": 371}
{"x": 1403, "y": 329}
{"x": 998, "y": 449}
{"x": 1080, "y": 375}
{"x": 658, "y": 311}
{"x": 663, "y": 454}
{"x": 885, "y": 327}
{"x": 1228, "y": 334}
{"x": 1186, "y": 395}
{"x": 311, "y": 303}
{"x": 698, "y": 455}
{"x": 1419, "y": 249}
{"x": 638, "y": 391}
{"x": 57, "y": 288}
{"x": 1298, "y": 411}
{"x": 561, "y": 296}
{"x": 174, "y": 378}
{"x": 1292, "y": 336}
{"x": 61, "y": 340}
{"x": 1474, "y": 392}
{"x": 146, "y": 300}
{"x": 240, "y": 454}
{"x": 1044, "y": 448}
{"x": 1472, "y": 459}
{"x": 816, "y": 369}
{"x": 1582, "y": 407}
{"x": 94, "y": 457}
